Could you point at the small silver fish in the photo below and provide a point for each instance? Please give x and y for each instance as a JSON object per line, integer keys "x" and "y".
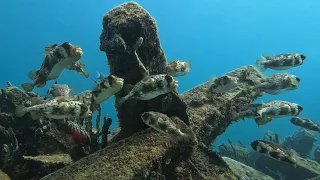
{"x": 178, "y": 68}
{"x": 60, "y": 57}
{"x": 277, "y": 83}
{"x": 107, "y": 87}
{"x": 56, "y": 108}
{"x": 305, "y": 123}
{"x": 149, "y": 88}
{"x": 274, "y": 151}
{"x": 277, "y": 108}
{"x": 280, "y": 61}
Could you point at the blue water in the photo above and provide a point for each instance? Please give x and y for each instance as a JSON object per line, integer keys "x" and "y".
{"x": 218, "y": 36}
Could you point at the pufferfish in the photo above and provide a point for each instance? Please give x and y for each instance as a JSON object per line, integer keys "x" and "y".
{"x": 107, "y": 87}
{"x": 173, "y": 126}
{"x": 277, "y": 83}
{"x": 149, "y": 88}
{"x": 58, "y": 58}
{"x": 274, "y": 151}
{"x": 277, "y": 108}
{"x": 280, "y": 61}
{"x": 305, "y": 123}
{"x": 56, "y": 108}
{"x": 178, "y": 68}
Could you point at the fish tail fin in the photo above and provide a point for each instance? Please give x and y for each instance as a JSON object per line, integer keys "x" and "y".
{"x": 260, "y": 113}
{"x": 213, "y": 78}
{"x": 259, "y": 63}
{"x": 263, "y": 69}
{"x": 189, "y": 63}
{"x": 41, "y": 84}
{"x": 21, "y": 110}
{"x": 47, "y": 96}
{"x": 120, "y": 101}
{"x": 28, "y": 87}
{"x": 99, "y": 75}
{"x": 86, "y": 74}
{"x": 33, "y": 74}
{"x": 265, "y": 56}
{"x": 257, "y": 121}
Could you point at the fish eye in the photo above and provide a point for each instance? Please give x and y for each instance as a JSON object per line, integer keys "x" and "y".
{"x": 298, "y": 79}
{"x": 169, "y": 78}
{"x": 83, "y": 107}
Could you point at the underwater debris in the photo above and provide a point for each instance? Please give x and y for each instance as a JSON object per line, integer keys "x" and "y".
{"x": 4, "y": 176}
{"x": 244, "y": 172}
{"x": 315, "y": 178}
{"x": 105, "y": 130}
{"x": 271, "y": 137}
{"x": 237, "y": 152}
{"x": 281, "y": 61}
{"x": 57, "y": 59}
{"x": 9, "y": 147}
{"x": 302, "y": 141}
{"x": 316, "y": 154}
